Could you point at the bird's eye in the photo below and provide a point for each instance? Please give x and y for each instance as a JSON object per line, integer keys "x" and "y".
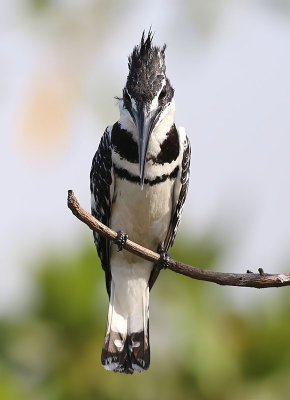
{"x": 126, "y": 96}
{"x": 162, "y": 94}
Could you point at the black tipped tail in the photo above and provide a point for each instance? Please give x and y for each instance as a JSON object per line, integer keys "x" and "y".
{"x": 126, "y": 355}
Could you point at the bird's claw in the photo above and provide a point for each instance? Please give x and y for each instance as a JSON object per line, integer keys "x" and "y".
{"x": 261, "y": 271}
{"x": 163, "y": 261}
{"x": 121, "y": 240}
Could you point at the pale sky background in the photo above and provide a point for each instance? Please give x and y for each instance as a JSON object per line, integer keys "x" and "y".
{"x": 229, "y": 63}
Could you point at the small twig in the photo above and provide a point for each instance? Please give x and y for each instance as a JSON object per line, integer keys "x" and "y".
{"x": 260, "y": 280}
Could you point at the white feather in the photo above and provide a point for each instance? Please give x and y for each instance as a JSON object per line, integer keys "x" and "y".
{"x": 137, "y": 367}
{"x": 151, "y": 171}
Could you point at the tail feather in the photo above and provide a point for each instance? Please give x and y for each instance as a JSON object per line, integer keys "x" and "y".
{"x": 116, "y": 358}
{"x": 139, "y": 351}
{"x": 126, "y": 346}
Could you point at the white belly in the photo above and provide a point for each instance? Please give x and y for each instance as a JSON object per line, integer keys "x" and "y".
{"x": 143, "y": 214}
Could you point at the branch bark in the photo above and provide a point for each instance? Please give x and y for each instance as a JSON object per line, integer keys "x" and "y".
{"x": 260, "y": 280}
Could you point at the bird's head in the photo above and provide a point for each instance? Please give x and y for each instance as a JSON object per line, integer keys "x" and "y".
{"x": 147, "y": 93}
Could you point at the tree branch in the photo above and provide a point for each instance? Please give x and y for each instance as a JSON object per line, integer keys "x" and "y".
{"x": 261, "y": 280}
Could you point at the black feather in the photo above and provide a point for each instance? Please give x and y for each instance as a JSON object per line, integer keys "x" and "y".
{"x": 101, "y": 180}
{"x": 177, "y": 211}
{"x": 176, "y": 216}
{"x": 147, "y": 71}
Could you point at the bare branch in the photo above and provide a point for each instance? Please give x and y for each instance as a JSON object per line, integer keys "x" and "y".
{"x": 260, "y": 280}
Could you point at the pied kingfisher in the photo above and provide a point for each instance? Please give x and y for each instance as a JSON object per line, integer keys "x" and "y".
{"x": 139, "y": 182}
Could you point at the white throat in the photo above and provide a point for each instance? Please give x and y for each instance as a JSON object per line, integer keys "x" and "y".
{"x": 164, "y": 123}
{"x": 159, "y": 133}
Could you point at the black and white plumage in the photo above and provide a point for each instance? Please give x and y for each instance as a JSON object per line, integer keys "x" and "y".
{"x": 139, "y": 182}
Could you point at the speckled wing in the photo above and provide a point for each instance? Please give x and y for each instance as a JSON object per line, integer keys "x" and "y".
{"x": 179, "y": 196}
{"x": 102, "y": 186}
{"x": 180, "y": 193}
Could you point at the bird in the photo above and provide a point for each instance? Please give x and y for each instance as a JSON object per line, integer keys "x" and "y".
{"x": 139, "y": 181}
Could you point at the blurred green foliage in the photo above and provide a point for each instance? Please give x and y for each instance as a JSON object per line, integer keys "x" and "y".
{"x": 201, "y": 348}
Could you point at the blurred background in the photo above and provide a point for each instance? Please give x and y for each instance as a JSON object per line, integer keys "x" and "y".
{"x": 62, "y": 63}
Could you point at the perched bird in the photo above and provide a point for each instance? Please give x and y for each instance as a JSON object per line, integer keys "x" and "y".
{"x": 139, "y": 182}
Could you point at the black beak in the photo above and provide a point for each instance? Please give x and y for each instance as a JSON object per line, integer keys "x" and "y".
{"x": 144, "y": 122}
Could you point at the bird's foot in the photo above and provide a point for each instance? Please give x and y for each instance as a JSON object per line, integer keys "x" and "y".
{"x": 260, "y": 270}
{"x": 121, "y": 240}
{"x": 163, "y": 261}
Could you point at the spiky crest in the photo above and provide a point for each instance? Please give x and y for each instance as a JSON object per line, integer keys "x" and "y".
{"x": 146, "y": 70}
